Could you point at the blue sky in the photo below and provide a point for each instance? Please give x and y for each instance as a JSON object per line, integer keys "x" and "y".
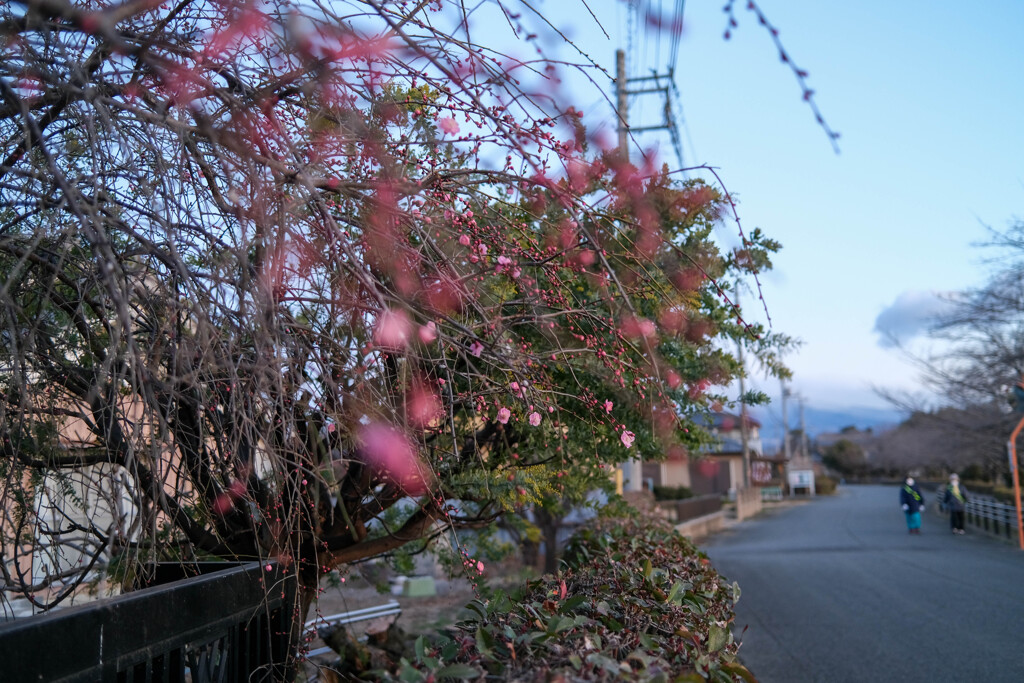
{"x": 927, "y": 97}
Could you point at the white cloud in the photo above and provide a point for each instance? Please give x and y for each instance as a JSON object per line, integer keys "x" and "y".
{"x": 912, "y": 313}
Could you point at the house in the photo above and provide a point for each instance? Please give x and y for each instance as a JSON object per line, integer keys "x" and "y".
{"x": 718, "y": 468}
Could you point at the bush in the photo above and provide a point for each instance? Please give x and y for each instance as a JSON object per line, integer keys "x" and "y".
{"x": 636, "y": 602}
{"x": 672, "y": 492}
{"x": 825, "y": 485}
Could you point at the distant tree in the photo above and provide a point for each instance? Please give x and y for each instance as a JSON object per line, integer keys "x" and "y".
{"x": 983, "y": 332}
{"x": 845, "y": 457}
{"x": 945, "y": 440}
{"x": 978, "y": 360}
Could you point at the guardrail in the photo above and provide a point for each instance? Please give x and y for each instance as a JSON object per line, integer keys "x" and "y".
{"x": 995, "y": 518}
{"x": 320, "y": 624}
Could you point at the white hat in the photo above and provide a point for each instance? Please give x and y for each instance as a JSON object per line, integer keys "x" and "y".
{"x": 954, "y": 477}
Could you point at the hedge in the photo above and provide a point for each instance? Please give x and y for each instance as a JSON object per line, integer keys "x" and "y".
{"x": 635, "y": 601}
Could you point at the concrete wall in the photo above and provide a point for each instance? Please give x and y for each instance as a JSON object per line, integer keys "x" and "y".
{"x": 702, "y": 526}
{"x": 748, "y": 502}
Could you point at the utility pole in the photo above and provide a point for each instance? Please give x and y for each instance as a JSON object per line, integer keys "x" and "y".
{"x": 662, "y": 84}
{"x": 785, "y": 422}
{"x": 804, "y": 447}
{"x": 622, "y": 103}
{"x": 744, "y": 434}
{"x": 632, "y": 469}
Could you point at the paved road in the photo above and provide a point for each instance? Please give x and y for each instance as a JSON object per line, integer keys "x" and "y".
{"x": 836, "y": 590}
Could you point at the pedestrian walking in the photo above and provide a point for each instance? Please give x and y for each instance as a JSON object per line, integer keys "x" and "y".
{"x": 912, "y": 502}
{"x": 955, "y": 500}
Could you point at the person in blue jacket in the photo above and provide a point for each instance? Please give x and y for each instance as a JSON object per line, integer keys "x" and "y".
{"x": 913, "y": 504}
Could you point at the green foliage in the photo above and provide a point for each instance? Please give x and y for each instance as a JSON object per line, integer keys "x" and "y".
{"x": 635, "y": 602}
{"x": 825, "y": 485}
{"x": 845, "y": 457}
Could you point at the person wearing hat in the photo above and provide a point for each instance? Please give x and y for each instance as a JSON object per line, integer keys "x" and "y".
{"x": 913, "y": 505}
{"x": 955, "y": 500}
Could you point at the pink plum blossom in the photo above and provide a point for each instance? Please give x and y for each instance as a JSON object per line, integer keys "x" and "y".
{"x": 476, "y": 348}
{"x": 503, "y": 415}
{"x": 464, "y": 239}
{"x": 448, "y": 125}
{"x": 638, "y": 328}
{"x": 608, "y": 405}
{"x": 392, "y": 455}
{"x": 428, "y": 332}
{"x": 223, "y": 504}
{"x": 423, "y": 406}
{"x": 535, "y": 418}
{"x": 393, "y": 330}
{"x": 627, "y": 438}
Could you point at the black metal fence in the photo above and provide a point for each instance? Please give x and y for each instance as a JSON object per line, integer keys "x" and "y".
{"x": 233, "y": 625}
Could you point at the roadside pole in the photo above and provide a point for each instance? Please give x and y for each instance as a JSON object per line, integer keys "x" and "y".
{"x": 1011, "y": 449}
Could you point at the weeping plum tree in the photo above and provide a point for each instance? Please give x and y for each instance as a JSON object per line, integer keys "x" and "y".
{"x": 312, "y": 281}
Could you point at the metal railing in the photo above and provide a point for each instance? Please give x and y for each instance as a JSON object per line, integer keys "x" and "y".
{"x": 995, "y": 518}
{"x": 231, "y": 626}
{"x": 321, "y": 624}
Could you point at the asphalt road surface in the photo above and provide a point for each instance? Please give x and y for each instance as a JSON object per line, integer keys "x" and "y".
{"x": 836, "y": 590}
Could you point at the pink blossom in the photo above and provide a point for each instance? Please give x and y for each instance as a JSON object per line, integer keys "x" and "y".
{"x": 448, "y": 125}
{"x": 637, "y": 328}
{"x": 464, "y": 239}
{"x": 515, "y": 272}
{"x": 503, "y": 415}
{"x": 423, "y": 406}
{"x": 608, "y": 405}
{"x": 393, "y": 330}
{"x": 504, "y": 260}
{"x": 627, "y": 438}
{"x": 535, "y": 418}
{"x": 514, "y": 386}
{"x": 476, "y": 348}
{"x": 392, "y": 456}
{"x": 223, "y": 504}
{"x": 480, "y": 566}
{"x": 428, "y": 332}
{"x": 482, "y": 248}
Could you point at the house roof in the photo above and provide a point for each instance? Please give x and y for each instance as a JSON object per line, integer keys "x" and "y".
{"x": 725, "y": 422}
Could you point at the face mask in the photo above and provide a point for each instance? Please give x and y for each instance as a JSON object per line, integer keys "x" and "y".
{"x": 910, "y": 481}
